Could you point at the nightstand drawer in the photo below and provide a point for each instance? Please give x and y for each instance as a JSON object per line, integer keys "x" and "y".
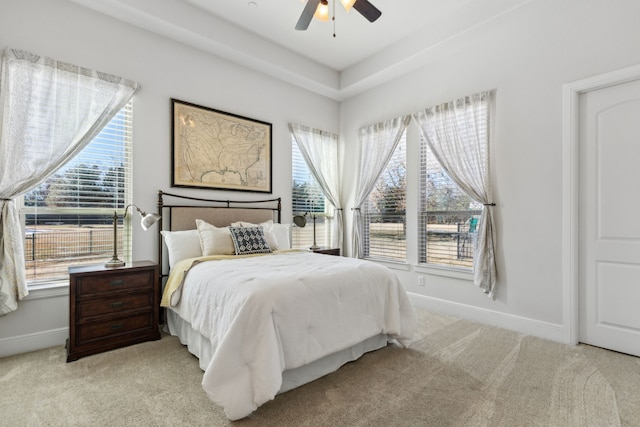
{"x": 96, "y": 307}
{"x": 112, "y": 327}
{"x": 88, "y": 286}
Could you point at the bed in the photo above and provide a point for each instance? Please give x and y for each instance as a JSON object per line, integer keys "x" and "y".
{"x": 269, "y": 318}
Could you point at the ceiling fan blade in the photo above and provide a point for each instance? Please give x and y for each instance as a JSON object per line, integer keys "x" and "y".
{"x": 367, "y": 10}
{"x": 307, "y": 14}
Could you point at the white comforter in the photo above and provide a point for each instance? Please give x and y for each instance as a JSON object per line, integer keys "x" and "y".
{"x": 270, "y": 313}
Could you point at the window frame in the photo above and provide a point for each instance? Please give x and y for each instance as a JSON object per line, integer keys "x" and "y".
{"x": 124, "y": 137}
{"x": 475, "y": 210}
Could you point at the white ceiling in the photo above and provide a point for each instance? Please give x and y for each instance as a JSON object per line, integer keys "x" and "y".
{"x": 260, "y": 34}
{"x": 356, "y": 38}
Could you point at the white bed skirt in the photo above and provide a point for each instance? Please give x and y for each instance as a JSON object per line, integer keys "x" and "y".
{"x": 200, "y": 347}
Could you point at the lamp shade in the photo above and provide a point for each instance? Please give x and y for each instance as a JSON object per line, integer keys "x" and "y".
{"x": 148, "y": 220}
{"x": 300, "y": 220}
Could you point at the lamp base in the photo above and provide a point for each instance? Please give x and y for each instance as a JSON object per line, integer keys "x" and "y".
{"x": 115, "y": 262}
{"x": 314, "y": 247}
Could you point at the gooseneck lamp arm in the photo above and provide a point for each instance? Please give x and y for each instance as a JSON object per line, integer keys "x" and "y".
{"x": 147, "y": 221}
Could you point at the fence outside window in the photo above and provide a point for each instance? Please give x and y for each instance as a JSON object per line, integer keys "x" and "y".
{"x": 385, "y": 237}
{"x": 449, "y": 238}
{"x": 50, "y": 251}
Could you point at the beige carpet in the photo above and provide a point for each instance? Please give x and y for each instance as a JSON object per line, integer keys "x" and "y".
{"x": 457, "y": 373}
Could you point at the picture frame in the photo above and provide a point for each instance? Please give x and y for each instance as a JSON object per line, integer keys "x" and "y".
{"x": 215, "y": 149}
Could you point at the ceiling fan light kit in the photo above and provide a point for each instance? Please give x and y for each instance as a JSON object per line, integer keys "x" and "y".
{"x": 348, "y": 4}
{"x": 320, "y": 10}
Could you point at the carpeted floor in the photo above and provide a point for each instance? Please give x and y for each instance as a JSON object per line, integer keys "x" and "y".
{"x": 457, "y": 373}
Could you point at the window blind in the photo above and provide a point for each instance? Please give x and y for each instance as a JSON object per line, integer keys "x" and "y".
{"x": 308, "y": 199}
{"x": 69, "y": 217}
{"x": 385, "y": 210}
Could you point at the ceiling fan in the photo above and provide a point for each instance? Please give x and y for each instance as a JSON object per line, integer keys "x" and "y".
{"x": 366, "y": 9}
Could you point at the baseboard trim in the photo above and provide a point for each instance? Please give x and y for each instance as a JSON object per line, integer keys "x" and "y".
{"x": 546, "y": 330}
{"x": 30, "y": 342}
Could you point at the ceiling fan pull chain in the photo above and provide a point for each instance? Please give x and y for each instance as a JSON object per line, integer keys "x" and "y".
{"x": 334, "y": 19}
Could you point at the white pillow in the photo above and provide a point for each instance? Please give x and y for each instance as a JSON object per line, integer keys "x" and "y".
{"x": 214, "y": 240}
{"x": 181, "y": 245}
{"x": 267, "y": 229}
{"x": 281, "y": 232}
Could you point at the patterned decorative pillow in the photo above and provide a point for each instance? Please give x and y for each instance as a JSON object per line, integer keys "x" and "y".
{"x": 266, "y": 228}
{"x": 277, "y": 234}
{"x": 249, "y": 240}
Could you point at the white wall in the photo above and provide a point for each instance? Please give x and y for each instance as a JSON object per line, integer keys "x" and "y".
{"x": 526, "y": 56}
{"x": 165, "y": 69}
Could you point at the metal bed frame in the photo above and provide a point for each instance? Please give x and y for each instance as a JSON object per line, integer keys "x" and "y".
{"x": 180, "y": 213}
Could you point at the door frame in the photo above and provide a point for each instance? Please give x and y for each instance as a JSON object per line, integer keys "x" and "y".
{"x": 571, "y": 93}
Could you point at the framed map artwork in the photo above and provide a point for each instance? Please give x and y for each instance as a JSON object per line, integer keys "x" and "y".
{"x": 218, "y": 150}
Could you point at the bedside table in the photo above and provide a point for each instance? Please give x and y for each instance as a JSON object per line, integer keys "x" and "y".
{"x": 111, "y": 307}
{"x": 327, "y": 251}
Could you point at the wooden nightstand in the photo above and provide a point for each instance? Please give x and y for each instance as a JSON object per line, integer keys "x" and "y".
{"x": 327, "y": 251}
{"x": 111, "y": 307}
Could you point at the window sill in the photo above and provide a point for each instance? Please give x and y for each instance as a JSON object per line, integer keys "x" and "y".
{"x": 48, "y": 290}
{"x": 402, "y": 266}
{"x": 446, "y": 272}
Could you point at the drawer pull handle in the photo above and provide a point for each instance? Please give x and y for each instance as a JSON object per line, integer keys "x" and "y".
{"x": 117, "y": 326}
{"x": 118, "y": 304}
{"x": 117, "y": 282}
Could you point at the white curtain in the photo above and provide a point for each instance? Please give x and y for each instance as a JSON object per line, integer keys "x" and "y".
{"x": 49, "y": 111}
{"x": 376, "y": 145}
{"x": 458, "y": 134}
{"x": 320, "y": 151}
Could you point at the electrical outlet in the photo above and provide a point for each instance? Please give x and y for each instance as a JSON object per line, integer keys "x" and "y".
{"x": 420, "y": 280}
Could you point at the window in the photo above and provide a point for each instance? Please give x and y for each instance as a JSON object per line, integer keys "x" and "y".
{"x": 308, "y": 199}
{"x": 69, "y": 218}
{"x": 448, "y": 217}
{"x": 385, "y": 210}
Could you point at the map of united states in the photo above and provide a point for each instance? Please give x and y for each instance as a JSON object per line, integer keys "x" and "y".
{"x": 221, "y": 149}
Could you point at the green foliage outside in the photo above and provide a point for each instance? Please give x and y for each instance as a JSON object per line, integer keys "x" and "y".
{"x": 80, "y": 186}
{"x": 307, "y": 198}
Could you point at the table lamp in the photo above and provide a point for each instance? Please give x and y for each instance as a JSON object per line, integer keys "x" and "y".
{"x": 147, "y": 221}
{"x": 301, "y": 221}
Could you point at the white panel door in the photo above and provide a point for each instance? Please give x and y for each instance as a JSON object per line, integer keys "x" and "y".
{"x": 609, "y": 225}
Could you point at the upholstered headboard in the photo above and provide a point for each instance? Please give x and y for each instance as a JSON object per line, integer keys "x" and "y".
{"x": 183, "y": 217}
{"x": 180, "y": 213}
